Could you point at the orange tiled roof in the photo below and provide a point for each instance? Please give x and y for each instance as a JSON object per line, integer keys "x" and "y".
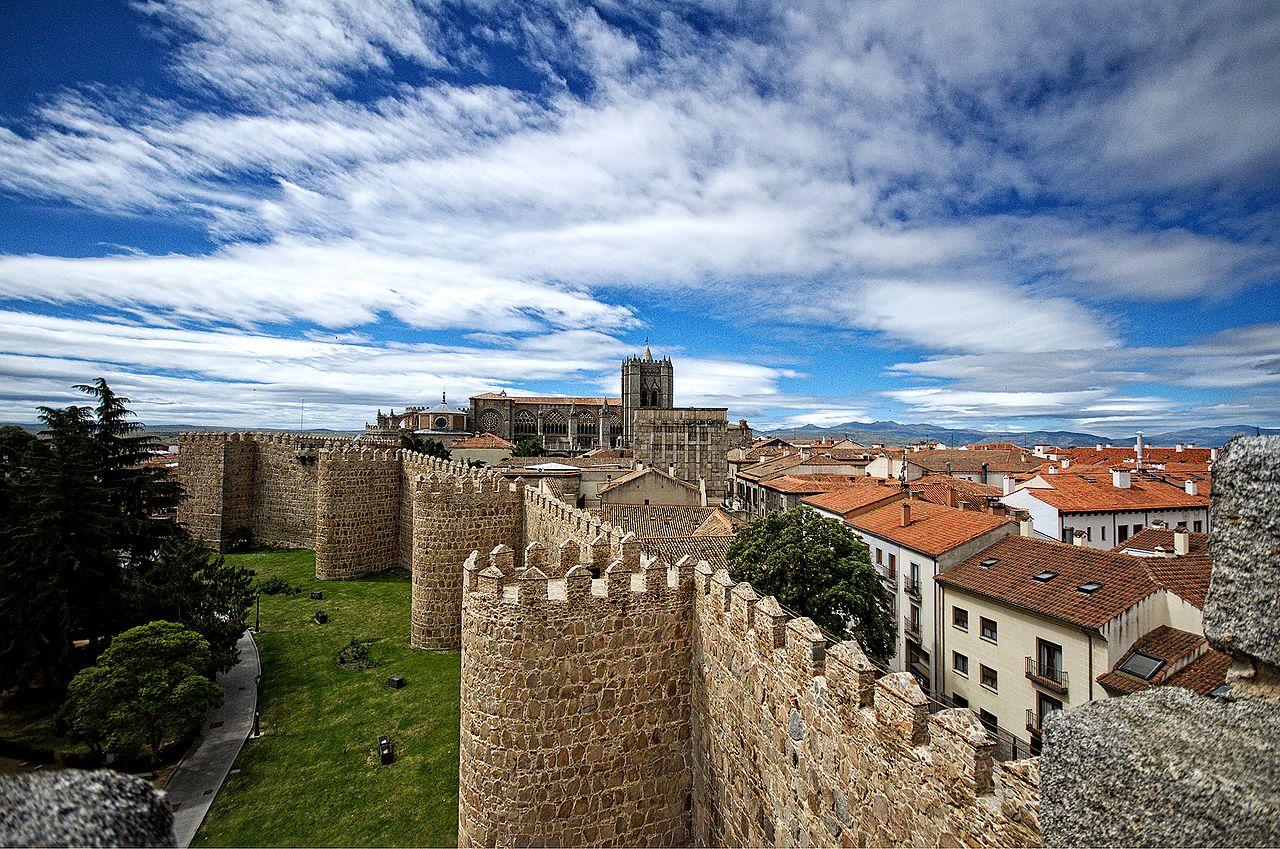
{"x": 713, "y": 549}
{"x": 1086, "y": 492}
{"x": 993, "y": 446}
{"x": 971, "y": 461}
{"x": 934, "y": 529}
{"x": 483, "y": 440}
{"x": 1168, "y": 644}
{"x": 1187, "y": 575}
{"x": 855, "y": 498}
{"x": 1150, "y": 454}
{"x": 649, "y": 520}
{"x": 550, "y": 399}
{"x": 1203, "y": 675}
{"x": 937, "y": 489}
{"x": 810, "y": 484}
{"x": 1123, "y": 578}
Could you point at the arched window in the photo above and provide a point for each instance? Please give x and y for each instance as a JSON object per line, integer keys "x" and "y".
{"x": 586, "y": 429}
{"x": 555, "y": 423}
{"x": 441, "y": 423}
{"x": 491, "y": 422}
{"x": 525, "y": 423}
{"x": 613, "y": 427}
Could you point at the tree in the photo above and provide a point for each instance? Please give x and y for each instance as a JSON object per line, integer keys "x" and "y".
{"x": 183, "y": 583}
{"x": 411, "y": 441}
{"x": 149, "y": 685}
{"x": 529, "y": 446}
{"x": 818, "y": 568}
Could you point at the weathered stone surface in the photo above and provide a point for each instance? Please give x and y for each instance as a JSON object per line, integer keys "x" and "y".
{"x": 1240, "y": 614}
{"x": 73, "y": 807}
{"x": 1163, "y": 768}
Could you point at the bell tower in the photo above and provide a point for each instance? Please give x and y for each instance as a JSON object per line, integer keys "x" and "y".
{"x": 646, "y": 383}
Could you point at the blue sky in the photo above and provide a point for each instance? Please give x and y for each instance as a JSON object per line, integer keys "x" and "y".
{"x": 1002, "y": 215}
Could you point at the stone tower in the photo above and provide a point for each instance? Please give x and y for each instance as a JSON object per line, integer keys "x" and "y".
{"x": 646, "y": 384}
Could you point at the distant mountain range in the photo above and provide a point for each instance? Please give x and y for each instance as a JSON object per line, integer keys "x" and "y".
{"x": 896, "y": 433}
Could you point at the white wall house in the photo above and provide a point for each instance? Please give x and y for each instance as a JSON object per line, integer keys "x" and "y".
{"x": 911, "y": 542}
{"x": 1106, "y": 508}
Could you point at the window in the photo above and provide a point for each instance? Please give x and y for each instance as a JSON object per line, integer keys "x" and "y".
{"x": 1137, "y": 529}
{"x": 987, "y": 628}
{"x": 1140, "y": 665}
{"x": 1104, "y": 534}
{"x": 1089, "y": 587}
{"x": 1197, "y": 526}
{"x": 960, "y": 618}
{"x": 1068, "y": 534}
{"x": 1049, "y": 656}
{"x": 988, "y": 677}
{"x": 960, "y": 663}
{"x": 879, "y": 557}
{"x": 1122, "y": 533}
{"x": 959, "y": 700}
{"x": 893, "y": 564}
{"x": 1044, "y": 577}
{"x": 1088, "y": 534}
{"x": 988, "y": 720}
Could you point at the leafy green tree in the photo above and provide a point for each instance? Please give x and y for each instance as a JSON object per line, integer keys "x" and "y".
{"x": 148, "y": 686}
{"x": 818, "y": 568}
{"x": 423, "y": 445}
{"x": 183, "y": 583}
{"x": 530, "y": 446}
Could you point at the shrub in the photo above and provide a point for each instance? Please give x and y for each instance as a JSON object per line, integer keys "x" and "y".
{"x": 277, "y": 586}
{"x": 355, "y": 655}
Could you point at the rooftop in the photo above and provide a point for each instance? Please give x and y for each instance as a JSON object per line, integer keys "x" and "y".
{"x": 1186, "y": 575}
{"x": 648, "y": 521}
{"x": 640, "y": 473}
{"x": 1086, "y": 587}
{"x": 933, "y": 528}
{"x": 938, "y": 488}
{"x": 483, "y": 440}
{"x": 854, "y": 498}
{"x": 971, "y": 461}
{"x": 548, "y": 399}
{"x": 1162, "y": 657}
{"x": 1094, "y": 492}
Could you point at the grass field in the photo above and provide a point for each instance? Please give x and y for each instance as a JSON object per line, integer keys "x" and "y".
{"x": 314, "y": 779}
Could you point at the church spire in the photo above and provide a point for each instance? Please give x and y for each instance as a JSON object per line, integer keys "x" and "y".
{"x": 648, "y": 355}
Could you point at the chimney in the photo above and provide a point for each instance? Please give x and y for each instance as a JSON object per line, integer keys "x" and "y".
{"x": 1080, "y": 538}
{"x": 1178, "y": 448}
{"x": 1137, "y": 449}
{"x": 1191, "y": 445}
{"x": 1008, "y": 484}
{"x": 1213, "y": 454}
{"x": 1066, "y": 462}
{"x": 702, "y": 491}
{"x": 953, "y": 500}
{"x": 906, "y": 512}
{"x": 1181, "y": 540}
{"x": 1157, "y": 523}
{"x": 984, "y": 471}
{"x": 1120, "y": 478}
{"x": 948, "y": 467}
{"x": 1098, "y": 447}
{"x": 671, "y": 470}
{"x": 1192, "y": 487}
{"x": 1026, "y": 526}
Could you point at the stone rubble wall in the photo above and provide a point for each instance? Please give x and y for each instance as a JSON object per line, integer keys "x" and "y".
{"x": 796, "y": 743}
{"x": 452, "y": 516}
{"x": 284, "y": 497}
{"x": 551, "y": 522}
{"x": 357, "y": 512}
{"x": 575, "y": 701}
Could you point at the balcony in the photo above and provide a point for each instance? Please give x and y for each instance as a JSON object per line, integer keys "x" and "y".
{"x": 1033, "y": 722}
{"x": 911, "y": 628}
{"x": 912, "y": 588}
{"x": 1050, "y": 677}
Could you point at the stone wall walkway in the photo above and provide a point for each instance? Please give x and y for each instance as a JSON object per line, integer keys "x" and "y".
{"x": 199, "y": 776}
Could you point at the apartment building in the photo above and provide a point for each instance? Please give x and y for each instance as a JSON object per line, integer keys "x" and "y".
{"x": 911, "y": 542}
{"x": 860, "y": 495}
{"x": 1030, "y": 626}
{"x": 1104, "y": 508}
{"x": 748, "y": 493}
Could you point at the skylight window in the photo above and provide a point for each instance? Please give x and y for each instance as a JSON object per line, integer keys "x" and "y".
{"x": 1044, "y": 577}
{"x": 1089, "y": 587}
{"x": 1140, "y": 665}
{"x": 989, "y": 562}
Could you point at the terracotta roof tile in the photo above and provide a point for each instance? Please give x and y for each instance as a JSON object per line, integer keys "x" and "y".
{"x": 714, "y": 550}
{"x": 1203, "y": 675}
{"x": 1073, "y": 492}
{"x": 855, "y": 498}
{"x": 971, "y": 461}
{"x": 934, "y": 529}
{"x": 937, "y": 489}
{"x": 1187, "y": 575}
{"x": 648, "y": 520}
{"x": 483, "y": 440}
{"x": 640, "y": 473}
{"x": 1124, "y": 580}
{"x": 1178, "y": 649}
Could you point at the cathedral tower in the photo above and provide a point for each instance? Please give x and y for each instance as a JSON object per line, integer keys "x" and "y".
{"x": 646, "y": 383}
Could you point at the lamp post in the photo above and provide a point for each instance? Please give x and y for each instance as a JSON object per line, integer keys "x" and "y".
{"x": 257, "y": 613}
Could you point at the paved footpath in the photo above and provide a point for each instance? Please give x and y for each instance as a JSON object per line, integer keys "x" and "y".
{"x": 196, "y": 781}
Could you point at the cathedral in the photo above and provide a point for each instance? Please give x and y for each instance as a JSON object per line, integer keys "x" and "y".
{"x": 692, "y": 441}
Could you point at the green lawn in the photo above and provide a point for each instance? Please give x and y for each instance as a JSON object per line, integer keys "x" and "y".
{"x": 314, "y": 778}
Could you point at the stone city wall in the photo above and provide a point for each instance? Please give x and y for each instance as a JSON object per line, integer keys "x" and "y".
{"x": 453, "y": 515}
{"x": 575, "y": 702}
{"x": 357, "y": 512}
{"x": 551, "y": 522}
{"x": 796, "y": 743}
{"x": 284, "y": 495}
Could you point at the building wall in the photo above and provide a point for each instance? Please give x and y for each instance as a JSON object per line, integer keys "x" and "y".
{"x": 488, "y": 456}
{"x": 284, "y": 498}
{"x": 575, "y": 729}
{"x": 1016, "y": 633}
{"x": 652, "y": 489}
{"x": 796, "y": 744}
{"x": 694, "y": 440}
{"x": 202, "y": 473}
{"x": 358, "y": 505}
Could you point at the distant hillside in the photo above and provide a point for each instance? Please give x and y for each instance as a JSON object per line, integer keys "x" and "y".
{"x": 167, "y": 429}
{"x": 1210, "y": 437}
{"x": 896, "y": 433}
